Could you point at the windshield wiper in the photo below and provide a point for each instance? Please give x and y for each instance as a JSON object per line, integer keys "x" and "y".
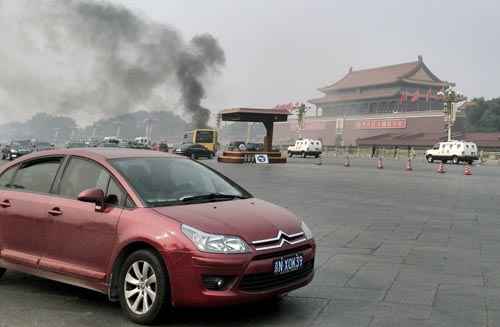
{"x": 210, "y": 196}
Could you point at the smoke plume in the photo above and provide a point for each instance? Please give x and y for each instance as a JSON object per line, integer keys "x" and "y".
{"x": 72, "y": 56}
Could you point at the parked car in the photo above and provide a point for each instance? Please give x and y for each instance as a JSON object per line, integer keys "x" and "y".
{"x": 148, "y": 229}
{"x": 42, "y": 146}
{"x": 306, "y": 147}
{"x": 194, "y": 151}
{"x": 235, "y": 146}
{"x": 454, "y": 151}
{"x": 163, "y": 146}
{"x": 76, "y": 144}
{"x": 16, "y": 149}
{"x": 255, "y": 147}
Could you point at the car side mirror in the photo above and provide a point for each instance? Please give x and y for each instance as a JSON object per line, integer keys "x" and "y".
{"x": 93, "y": 195}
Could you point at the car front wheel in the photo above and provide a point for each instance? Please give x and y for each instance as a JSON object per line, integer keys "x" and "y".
{"x": 2, "y": 271}
{"x": 455, "y": 160}
{"x": 430, "y": 159}
{"x": 144, "y": 287}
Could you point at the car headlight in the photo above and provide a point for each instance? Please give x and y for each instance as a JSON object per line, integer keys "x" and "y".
{"x": 13, "y": 151}
{"x": 307, "y": 232}
{"x": 215, "y": 243}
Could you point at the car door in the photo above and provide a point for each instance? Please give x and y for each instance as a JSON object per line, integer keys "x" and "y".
{"x": 24, "y": 202}
{"x": 80, "y": 237}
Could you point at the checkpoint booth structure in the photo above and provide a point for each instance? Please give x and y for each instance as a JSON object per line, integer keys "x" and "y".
{"x": 266, "y": 116}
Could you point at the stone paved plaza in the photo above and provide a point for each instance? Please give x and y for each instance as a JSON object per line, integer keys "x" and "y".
{"x": 395, "y": 248}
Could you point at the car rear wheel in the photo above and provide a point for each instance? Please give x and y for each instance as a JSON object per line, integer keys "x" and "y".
{"x": 2, "y": 271}
{"x": 455, "y": 160}
{"x": 430, "y": 159}
{"x": 144, "y": 287}
{"x": 304, "y": 155}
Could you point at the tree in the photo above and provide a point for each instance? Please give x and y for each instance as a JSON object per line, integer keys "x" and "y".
{"x": 483, "y": 115}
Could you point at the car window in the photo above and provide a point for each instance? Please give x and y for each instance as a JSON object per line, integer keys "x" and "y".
{"x": 115, "y": 194}
{"x": 36, "y": 176}
{"x": 6, "y": 177}
{"x": 82, "y": 174}
{"x": 163, "y": 181}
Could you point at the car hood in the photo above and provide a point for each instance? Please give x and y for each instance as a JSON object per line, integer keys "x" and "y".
{"x": 251, "y": 219}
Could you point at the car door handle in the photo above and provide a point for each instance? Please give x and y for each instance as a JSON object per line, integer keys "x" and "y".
{"x": 5, "y": 204}
{"x": 55, "y": 212}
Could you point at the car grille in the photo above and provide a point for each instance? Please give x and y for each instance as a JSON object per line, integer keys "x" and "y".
{"x": 283, "y": 253}
{"x": 268, "y": 281}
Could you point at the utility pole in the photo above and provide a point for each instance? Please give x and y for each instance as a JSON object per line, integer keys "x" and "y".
{"x": 451, "y": 97}
{"x": 249, "y": 131}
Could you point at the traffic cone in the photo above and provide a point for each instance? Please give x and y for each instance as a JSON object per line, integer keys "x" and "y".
{"x": 380, "y": 163}
{"x": 441, "y": 169}
{"x": 347, "y": 162}
{"x": 408, "y": 165}
{"x": 467, "y": 170}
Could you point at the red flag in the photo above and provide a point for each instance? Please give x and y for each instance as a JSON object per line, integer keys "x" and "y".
{"x": 402, "y": 98}
{"x": 415, "y": 97}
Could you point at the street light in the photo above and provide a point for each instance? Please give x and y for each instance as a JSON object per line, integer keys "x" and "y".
{"x": 450, "y": 97}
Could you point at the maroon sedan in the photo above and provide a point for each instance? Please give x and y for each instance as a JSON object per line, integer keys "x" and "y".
{"x": 148, "y": 229}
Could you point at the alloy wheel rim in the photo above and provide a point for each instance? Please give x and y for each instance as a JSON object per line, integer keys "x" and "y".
{"x": 140, "y": 287}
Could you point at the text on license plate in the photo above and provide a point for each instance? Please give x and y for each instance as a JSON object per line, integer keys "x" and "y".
{"x": 288, "y": 264}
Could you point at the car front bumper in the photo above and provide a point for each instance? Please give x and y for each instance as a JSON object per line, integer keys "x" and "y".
{"x": 186, "y": 271}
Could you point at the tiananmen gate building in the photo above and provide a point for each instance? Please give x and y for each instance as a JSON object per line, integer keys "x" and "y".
{"x": 386, "y": 106}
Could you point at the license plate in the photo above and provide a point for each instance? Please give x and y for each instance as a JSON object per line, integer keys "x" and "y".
{"x": 288, "y": 264}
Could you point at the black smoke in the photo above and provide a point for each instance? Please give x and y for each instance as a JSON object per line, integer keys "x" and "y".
{"x": 91, "y": 56}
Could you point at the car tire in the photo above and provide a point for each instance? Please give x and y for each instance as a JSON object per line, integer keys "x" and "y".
{"x": 143, "y": 277}
{"x": 317, "y": 155}
{"x": 2, "y": 271}
{"x": 455, "y": 160}
{"x": 304, "y": 155}
{"x": 210, "y": 156}
{"x": 193, "y": 156}
{"x": 290, "y": 154}
{"x": 430, "y": 159}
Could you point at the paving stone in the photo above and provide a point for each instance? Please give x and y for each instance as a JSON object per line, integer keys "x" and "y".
{"x": 377, "y": 276}
{"x": 340, "y": 293}
{"x": 409, "y": 293}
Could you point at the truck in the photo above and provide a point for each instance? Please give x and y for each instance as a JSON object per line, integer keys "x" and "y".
{"x": 454, "y": 151}
{"x": 305, "y": 147}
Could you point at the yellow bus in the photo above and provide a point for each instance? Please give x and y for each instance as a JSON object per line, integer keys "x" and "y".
{"x": 206, "y": 137}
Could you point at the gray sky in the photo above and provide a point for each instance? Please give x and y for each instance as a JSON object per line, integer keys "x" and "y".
{"x": 56, "y": 57}
{"x": 283, "y": 50}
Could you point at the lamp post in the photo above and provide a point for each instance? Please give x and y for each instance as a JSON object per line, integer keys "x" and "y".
{"x": 451, "y": 97}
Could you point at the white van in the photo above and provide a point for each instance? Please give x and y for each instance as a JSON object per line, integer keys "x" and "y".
{"x": 142, "y": 140}
{"x": 306, "y": 147}
{"x": 454, "y": 151}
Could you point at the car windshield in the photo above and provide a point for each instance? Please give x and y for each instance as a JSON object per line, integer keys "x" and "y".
{"x": 163, "y": 181}
{"x": 185, "y": 146}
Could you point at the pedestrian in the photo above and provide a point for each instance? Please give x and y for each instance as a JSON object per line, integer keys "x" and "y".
{"x": 413, "y": 153}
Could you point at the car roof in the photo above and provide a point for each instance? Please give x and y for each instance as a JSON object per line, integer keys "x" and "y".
{"x": 105, "y": 153}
